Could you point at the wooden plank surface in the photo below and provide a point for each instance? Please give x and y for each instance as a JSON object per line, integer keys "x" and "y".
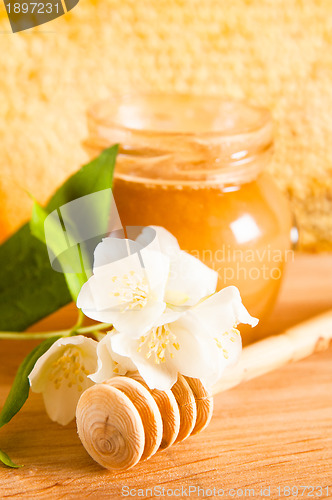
{"x": 273, "y": 432}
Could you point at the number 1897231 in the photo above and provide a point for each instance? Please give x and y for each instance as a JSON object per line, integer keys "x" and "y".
{"x": 32, "y": 7}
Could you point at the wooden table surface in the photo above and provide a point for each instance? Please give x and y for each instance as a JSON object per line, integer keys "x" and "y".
{"x": 273, "y": 433}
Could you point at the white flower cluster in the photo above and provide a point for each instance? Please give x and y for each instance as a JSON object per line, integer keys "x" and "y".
{"x": 166, "y": 319}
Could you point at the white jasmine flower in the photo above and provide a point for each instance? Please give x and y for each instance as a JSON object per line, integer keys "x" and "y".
{"x": 110, "y": 364}
{"x": 199, "y": 343}
{"x": 61, "y": 375}
{"x": 190, "y": 280}
{"x": 127, "y": 287}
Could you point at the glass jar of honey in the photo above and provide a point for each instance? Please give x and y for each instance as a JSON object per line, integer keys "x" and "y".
{"x": 196, "y": 166}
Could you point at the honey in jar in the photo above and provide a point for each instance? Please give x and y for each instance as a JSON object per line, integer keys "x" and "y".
{"x": 196, "y": 166}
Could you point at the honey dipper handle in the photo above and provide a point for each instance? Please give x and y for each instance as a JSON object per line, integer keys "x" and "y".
{"x": 273, "y": 352}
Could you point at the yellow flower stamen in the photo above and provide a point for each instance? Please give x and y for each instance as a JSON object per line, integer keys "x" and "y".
{"x": 68, "y": 368}
{"x": 132, "y": 292}
{"x": 219, "y": 344}
{"x": 233, "y": 331}
{"x": 158, "y": 342}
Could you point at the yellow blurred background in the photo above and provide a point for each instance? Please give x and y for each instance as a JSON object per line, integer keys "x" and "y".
{"x": 275, "y": 53}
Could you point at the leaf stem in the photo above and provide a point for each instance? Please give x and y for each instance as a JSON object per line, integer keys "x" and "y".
{"x": 61, "y": 333}
{"x": 92, "y": 328}
{"x": 78, "y": 323}
{"x": 31, "y": 335}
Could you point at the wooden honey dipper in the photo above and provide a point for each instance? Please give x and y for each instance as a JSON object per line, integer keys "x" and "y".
{"x": 122, "y": 421}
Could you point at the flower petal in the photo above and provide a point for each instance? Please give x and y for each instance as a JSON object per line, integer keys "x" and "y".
{"x": 85, "y": 298}
{"x": 157, "y": 267}
{"x": 123, "y": 344}
{"x": 137, "y": 322}
{"x": 190, "y": 280}
{"x": 129, "y": 290}
{"x": 168, "y": 316}
{"x": 38, "y": 377}
{"x": 111, "y": 277}
{"x": 57, "y": 376}
{"x": 215, "y": 354}
{"x": 60, "y": 404}
{"x": 110, "y": 364}
{"x": 112, "y": 250}
{"x": 222, "y": 311}
{"x": 163, "y": 241}
{"x": 195, "y": 356}
{"x": 161, "y": 376}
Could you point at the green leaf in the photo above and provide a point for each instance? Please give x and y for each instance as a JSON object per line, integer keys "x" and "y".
{"x": 37, "y": 221}
{"x": 20, "y": 389}
{"x": 74, "y": 281}
{"x": 95, "y": 176}
{"x": 4, "y": 458}
{"x": 29, "y": 288}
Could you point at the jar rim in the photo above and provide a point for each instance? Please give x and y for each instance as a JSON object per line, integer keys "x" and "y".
{"x": 168, "y": 138}
{"x": 100, "y": 113}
